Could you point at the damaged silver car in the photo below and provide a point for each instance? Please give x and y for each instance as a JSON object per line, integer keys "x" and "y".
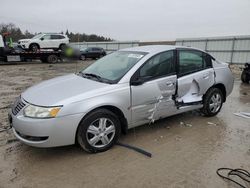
{"x": 122, "y": 90}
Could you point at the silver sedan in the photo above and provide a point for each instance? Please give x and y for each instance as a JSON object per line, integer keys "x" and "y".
{"x": 120, "y": 91}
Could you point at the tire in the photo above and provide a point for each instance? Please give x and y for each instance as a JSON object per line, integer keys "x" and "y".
{"x": 62, "y": 47}
{"x": 244, "y": 78}
{"x": 34, "y": 47}
{"x": 52, "y": 59}
{"x": 212, "y": 102}
{"x": 100, "y": 56}
{"x": 93, "y": 137}
{"x": 83, "y": 57}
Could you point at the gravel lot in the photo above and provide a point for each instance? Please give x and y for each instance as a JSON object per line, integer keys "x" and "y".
{"x": 187, "y": 148}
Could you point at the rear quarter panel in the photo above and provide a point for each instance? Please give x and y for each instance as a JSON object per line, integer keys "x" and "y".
{"x": 223, "y": 75}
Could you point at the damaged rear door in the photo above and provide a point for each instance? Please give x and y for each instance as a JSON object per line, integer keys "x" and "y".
{"x": 195, "y": 75}
{"x": 152, "y": 89}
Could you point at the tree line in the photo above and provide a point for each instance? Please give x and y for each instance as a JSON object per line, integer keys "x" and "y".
{"x": 16, "y": 34}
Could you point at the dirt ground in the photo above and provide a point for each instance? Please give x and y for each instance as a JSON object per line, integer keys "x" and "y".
{"x": 187, "y": 148}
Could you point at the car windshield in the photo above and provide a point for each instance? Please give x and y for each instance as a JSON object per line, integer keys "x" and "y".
{"x": 37, "y": 36}
{"x": 113, "y": 67}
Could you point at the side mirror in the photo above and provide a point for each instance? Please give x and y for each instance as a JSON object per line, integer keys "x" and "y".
{"x": 42, "y": 38}
{"x": 137, "y": 82}
{"x": 140, "y": 81}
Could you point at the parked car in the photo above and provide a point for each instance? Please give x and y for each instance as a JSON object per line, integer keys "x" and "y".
{"x": 245, "y": 75}
{"x": 44, "y": 41}
{"x": 120, "y": 91}
{"x": 92, "y": 52}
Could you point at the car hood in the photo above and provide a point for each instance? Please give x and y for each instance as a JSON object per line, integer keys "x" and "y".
{"x": 63, "y": 90}
{"x": 24, "y": 40}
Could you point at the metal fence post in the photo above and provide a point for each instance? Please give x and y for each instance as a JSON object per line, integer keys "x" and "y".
{"x": 232, "y": 52}
{"x": 206, "y": 45}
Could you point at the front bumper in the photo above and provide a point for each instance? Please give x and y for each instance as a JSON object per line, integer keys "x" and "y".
{"x": 51, "y": 132}
{"x": 23, "y": 46}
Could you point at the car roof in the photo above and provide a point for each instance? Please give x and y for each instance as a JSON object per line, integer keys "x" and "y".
{"x": 52, "y": 33}
{"x": 157, "y": 48}
{"x": 95, "y": 47}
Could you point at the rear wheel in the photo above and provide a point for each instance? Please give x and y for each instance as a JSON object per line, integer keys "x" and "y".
{"x": 62, "y": 46}
{"x": 212, "y": 102}
{"x": 99, "y": 131}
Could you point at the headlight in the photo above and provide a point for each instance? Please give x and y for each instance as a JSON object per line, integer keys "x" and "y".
{"x": 41, "y": 112}
{"x": 24, "y": 41}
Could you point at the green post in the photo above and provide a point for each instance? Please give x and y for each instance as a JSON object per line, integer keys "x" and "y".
{"x": 11, "y": 43}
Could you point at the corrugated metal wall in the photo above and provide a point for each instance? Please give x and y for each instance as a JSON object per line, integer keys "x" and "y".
{"x": 227, "y": 49}
{"x": 107, "y": 46}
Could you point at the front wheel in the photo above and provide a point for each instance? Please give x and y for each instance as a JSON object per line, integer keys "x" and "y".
{"x": 212, "y": 102}
{"x": 99, "y": 131}
{"x": 62, "y": 47}
{"x": 34, "y": 47}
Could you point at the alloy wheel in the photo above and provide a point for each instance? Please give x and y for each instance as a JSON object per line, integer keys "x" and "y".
{"x": 215, "y": 103}
{"x": 100, "y": 132}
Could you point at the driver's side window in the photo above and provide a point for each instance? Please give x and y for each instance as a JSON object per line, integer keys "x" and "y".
{"x": 46, "y": 37}
{"x": 158, "y": 66}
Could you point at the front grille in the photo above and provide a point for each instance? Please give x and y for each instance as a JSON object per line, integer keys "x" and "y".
{"x": 18, "y": 105}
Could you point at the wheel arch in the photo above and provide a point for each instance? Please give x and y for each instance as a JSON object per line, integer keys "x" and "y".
{"x": 222, "y": 88}
{"x": 117, "y": 111}
{"x": 35, "y": 44}
{"x": 60, "y": 45}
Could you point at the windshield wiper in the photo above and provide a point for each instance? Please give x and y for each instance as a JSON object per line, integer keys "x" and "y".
{"x": 91, "y": 75}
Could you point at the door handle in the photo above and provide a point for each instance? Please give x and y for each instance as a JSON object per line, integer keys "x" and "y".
{"x": 206, "y": 76}
{"x": 169, "y": 84}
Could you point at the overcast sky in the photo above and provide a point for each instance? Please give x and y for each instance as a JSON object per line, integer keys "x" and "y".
{"x": 144, "y": 20}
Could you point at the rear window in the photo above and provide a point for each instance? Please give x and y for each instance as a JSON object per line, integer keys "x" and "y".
{"x": 57, "y": 37}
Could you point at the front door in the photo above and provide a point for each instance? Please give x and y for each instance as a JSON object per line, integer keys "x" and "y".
{"x": 195, "y": 75}
{"x": 153, "y": 98}
{"x": 45, "y": 41}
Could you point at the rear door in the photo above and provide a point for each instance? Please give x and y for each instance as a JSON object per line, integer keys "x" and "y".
{"x": 153, "y": 98}
{"x": 90, "y": 53}
{"x": 195, "y": 75}
{"x": 55, "y": 41}
{"x": 96, "y": 52}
